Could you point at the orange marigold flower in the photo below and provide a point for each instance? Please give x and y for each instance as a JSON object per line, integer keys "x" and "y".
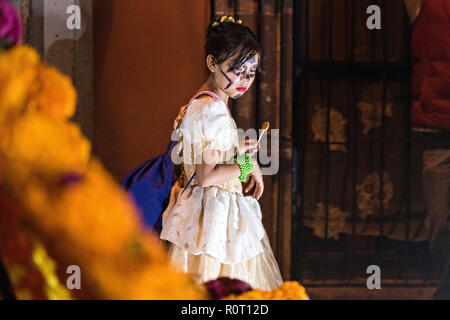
{"x": 34, "y": 144}
{"x": 17, "y": 73}
{"x": 52, "y": 93}
{"x": 69, "y": 203}
{"x": 289, "y": 290}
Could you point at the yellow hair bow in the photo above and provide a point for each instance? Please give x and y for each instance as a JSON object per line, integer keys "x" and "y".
{"x": 226, "y": 19}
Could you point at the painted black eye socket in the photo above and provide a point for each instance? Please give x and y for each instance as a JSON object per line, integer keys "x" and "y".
{"x": 252, "y": 74}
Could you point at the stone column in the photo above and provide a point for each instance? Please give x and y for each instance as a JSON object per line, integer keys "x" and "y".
{"x": 71, "y": 51}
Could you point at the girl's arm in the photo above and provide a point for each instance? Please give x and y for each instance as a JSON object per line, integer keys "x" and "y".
{"x": 210, "y": 173}
{"x": 256, "y": 180}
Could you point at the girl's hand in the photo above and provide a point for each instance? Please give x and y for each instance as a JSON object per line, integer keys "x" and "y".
{"x": 251, "y": 146}
{"x": 256, "y": 180}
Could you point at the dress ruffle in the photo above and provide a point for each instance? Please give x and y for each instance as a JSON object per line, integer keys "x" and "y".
{"x": 260, "y": 272}
{"x": 213, "y": 221}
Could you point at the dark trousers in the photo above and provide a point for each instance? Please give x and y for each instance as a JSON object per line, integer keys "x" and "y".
{"x": 436, "y": 187}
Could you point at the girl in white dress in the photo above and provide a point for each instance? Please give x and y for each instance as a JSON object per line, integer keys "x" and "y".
{"x": 211, "y": 228}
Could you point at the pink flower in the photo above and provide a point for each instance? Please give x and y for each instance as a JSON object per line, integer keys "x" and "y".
{"x": 11, "y": 27}
{"x": 223, "y": 287}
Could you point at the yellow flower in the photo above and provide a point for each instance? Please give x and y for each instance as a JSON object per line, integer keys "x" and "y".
{"x": 52, "y": 93}
{"x": 17, "y": 73}
{"x": 70, "y": 203}
{"x": 289, "y": 290}
{"x": 33, "y": 144}
{"x": 151, "y": 281}
{"x": 91, "y": 211}
{"x": 53, "y": 288}
{"x": 26, "y": 84}
{"x": 95, "y": 219}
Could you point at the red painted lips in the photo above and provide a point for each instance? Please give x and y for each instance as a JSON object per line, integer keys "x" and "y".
{"x": 241, "y": 89}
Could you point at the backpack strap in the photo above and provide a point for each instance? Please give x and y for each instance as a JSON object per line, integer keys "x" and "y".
{"x": 209, "y": 93}
{"x": 180, "y": 117}
{"x": 194, "y": 97}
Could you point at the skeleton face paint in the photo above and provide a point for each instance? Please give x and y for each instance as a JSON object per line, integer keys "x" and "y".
{"x": 236, "y": 82}
{"x": 230, "y": 82}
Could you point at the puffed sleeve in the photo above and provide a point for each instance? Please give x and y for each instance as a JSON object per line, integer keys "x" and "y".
{"x": 207, "y": 126}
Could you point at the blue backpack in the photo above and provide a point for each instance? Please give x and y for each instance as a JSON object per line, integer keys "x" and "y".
{"x": 150, "y": 184}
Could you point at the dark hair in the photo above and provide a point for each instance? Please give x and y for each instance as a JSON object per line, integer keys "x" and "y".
{"x": 226, "y": 39}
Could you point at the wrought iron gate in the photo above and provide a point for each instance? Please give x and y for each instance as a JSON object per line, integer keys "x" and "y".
{"x": 357, "y": 198}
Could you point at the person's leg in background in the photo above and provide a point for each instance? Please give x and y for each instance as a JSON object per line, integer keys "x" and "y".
{"x": 436, "y": 186}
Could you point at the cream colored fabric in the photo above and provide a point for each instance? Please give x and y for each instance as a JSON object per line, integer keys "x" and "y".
{"x": 260, "y": 272}
{"x": 216, "y": 231}
{"x": 207, "y": 126}
{"x": 214, "y": 221}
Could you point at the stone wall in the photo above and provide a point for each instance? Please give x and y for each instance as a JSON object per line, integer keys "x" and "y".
{"x": 71, "y": 51}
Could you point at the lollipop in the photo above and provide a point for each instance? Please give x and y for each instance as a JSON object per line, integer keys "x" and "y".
{"x": 265, "y": 127}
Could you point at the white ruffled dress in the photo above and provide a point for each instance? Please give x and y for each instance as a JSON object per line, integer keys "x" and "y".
{"x": 215, "y": 231}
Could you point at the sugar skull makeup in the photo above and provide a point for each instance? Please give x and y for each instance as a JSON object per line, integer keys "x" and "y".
{"x": 233, "y": 56}
{"x": 235, "y": 82}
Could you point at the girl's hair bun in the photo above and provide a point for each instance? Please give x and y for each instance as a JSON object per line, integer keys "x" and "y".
{"x": 227, "y": 36}
{"x": 217, "y": 24}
